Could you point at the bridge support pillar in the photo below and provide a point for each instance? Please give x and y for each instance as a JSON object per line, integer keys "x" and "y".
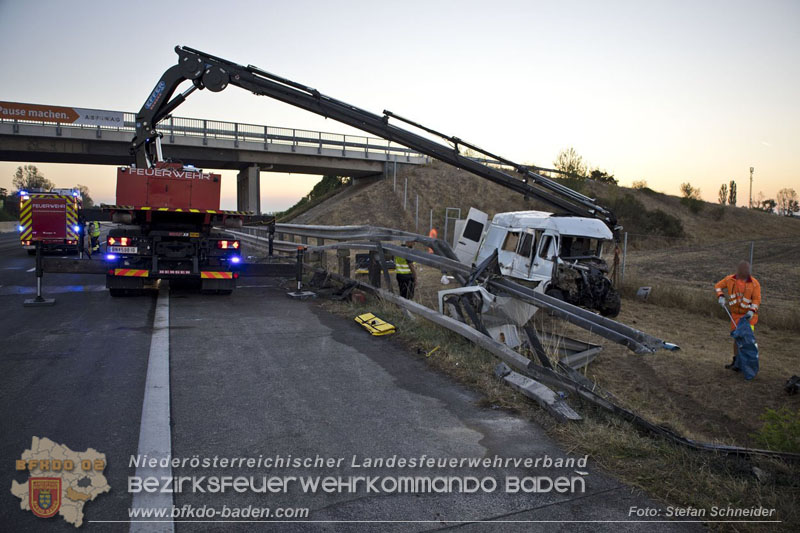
{"x": 248, "y": 190}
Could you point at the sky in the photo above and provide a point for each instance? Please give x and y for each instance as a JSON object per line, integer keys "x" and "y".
{"x": 666, "y": 92}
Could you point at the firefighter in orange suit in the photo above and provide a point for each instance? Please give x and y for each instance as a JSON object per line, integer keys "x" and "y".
{"x": 743, "y": 298}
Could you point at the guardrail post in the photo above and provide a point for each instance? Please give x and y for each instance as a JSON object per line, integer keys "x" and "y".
{"x": 205, "y": 132}
{"x": 99, "y": 133}
{"x": 266, "y": 137}
{"x": 58, "y": 129}
{"x": 344, "y": 262}
{"x": 299, "y": 270}
{"x": 236, "y": 134}
{"x": 319, "y": 148}
{"x": 271, "y": 239}
{"x": 366, "y": 148}
{"x": 15, "y": 127}
{"x": 374, "y": 270}
{"x": 294, "y": 140}
{"x": 171, "y": 129}
{"x": 323, "y": 256}
{"x": 344, "y": 142}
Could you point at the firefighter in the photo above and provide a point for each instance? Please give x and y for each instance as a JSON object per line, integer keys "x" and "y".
{"x": 742, "y": 300}
{"x": 406, "y": 274}
{"x": 94, "y": 234}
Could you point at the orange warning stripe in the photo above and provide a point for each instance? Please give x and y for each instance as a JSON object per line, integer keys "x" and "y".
{"x": 174, "y": 209}
{"x": 133, "y": 272}
{"x": 216, "y": 275}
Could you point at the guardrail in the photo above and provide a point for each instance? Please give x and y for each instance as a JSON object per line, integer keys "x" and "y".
{"x": 374, "y": 239}
{"x": 237, "y": 132}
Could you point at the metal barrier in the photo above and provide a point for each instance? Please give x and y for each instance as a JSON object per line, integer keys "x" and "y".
{"x": 237, "y": 132}
{"x": 372, "y": 238}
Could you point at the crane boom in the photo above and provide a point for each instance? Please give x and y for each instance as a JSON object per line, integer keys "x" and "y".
{"x": 206, "y": 71}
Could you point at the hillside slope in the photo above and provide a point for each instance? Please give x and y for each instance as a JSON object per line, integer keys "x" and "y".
{"x": 439, "y": 186}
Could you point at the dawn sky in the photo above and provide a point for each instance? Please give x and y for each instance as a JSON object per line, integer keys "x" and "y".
{"x": 668, "y": 92}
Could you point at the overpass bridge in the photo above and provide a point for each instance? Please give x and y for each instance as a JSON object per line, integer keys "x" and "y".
{"x": 208, "y": 144}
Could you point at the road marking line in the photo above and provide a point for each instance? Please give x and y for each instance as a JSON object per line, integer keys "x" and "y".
{"x": 31, "y": 269}
{"x": 155, "y": 436}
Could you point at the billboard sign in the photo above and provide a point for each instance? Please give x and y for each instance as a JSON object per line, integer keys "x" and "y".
{"x": 62, "y": 115}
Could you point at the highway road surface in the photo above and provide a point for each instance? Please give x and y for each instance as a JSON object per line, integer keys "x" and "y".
{"x": 258, "y": 375}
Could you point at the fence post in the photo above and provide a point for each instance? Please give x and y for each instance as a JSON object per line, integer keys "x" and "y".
{"x": 624, "y": 257}
{"x": 416, "y": 217}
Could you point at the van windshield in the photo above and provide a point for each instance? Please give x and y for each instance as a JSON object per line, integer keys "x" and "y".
{"x": 578, "y": 247}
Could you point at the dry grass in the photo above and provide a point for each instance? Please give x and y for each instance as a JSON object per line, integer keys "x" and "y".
{"x": 671, "y": 474}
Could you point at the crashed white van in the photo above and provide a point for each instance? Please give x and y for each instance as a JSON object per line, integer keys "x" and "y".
{"x": 562, "y": 256}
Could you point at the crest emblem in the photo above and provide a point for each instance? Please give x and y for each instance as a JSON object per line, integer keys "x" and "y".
{"x": 44, "y": 495}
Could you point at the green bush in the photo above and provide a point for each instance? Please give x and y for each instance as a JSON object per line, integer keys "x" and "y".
{"x": 781, "y": 430}
{"x": 695, "y": 205}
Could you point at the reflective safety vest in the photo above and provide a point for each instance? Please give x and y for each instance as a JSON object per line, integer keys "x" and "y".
{"x": 743, "y": 295}
{"x": 401, "y": 266}
{"x": 94, "y": 229}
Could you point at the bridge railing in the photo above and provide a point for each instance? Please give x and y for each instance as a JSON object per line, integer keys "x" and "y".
{"x": 267, "y": 136}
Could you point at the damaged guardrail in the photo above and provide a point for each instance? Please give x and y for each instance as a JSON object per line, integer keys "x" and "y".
{"x": 369, "y": 238}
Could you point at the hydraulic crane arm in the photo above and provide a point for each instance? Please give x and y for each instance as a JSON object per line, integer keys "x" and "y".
{"x": 206, "y": 71}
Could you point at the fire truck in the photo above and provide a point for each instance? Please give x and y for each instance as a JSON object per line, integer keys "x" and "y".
{"x": 51, "y": 219}
{"x": 166, "y": 218}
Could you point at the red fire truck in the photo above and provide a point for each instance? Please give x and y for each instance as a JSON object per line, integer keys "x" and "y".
{"x": 166, "y": 218}
{"x": 50, "y": 218}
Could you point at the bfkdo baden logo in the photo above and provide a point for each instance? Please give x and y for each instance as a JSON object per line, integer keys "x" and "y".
{"x": 60, "y": 480}
{"x": 44, "y": 495}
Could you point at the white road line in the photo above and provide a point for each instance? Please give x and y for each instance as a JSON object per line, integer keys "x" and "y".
{"x": 31, "y": 269}
{"x": 155, "y": 437}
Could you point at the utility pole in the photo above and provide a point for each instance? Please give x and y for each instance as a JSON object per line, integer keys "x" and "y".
{"x": 751, "y": 187}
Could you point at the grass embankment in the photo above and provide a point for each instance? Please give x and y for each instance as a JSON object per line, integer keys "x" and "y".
{"x": 669, "y": 473}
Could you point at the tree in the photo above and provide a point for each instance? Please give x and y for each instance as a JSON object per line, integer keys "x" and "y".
{"x": 732, "y": 193}
{"x": 787, "y": 198}
{"x": 639, "y": 184}
{"x": 570, "y": 163}
{"x": 602, "y": 176}
{"x": 28, "y": 177}
{"x": 87, "y": 199}
{"x": 768, "y": 205}
{"x": 691, "y": 197}
{"x": 723, "y": 194}
{"x": 689, "y": 192}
